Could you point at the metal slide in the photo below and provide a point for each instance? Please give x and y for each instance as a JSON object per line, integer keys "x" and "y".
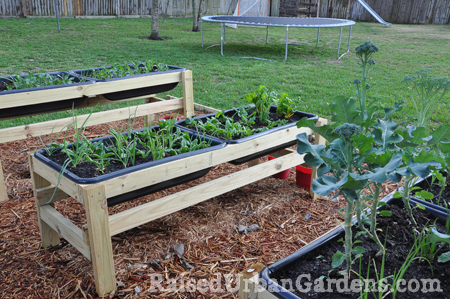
{"x": 373, "y": 13}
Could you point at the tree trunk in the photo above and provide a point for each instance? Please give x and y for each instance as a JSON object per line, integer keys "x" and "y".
{"x": 155, "y": 21}
{"x": 196, "y": 15}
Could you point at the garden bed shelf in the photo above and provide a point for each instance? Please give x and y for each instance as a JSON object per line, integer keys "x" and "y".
{"x": 94, "y": 241}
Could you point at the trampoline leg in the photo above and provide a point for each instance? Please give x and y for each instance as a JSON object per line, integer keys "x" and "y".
{"x": 339, "y": 46}
{"x": 221, "y": 38}
{"x": 267, "y": 35}
{"x": 201, "y": 30}
{"x": 348, "y": 44}
{"x": 287, "y": 37}
{"x": 318, "y": 34}
{"x": 224, "y": 35}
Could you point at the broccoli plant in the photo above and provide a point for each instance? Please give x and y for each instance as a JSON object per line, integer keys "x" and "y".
{"x": 426, "y": 93}
{"x": 363, "y": 153}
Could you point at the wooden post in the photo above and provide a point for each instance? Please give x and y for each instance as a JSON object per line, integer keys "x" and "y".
{"x": 95, "y": 202}
{"x": 188, "y": 93}
{"x": 317, "y": 140}
{"x": 3, "y": 193}
{"x": 49, "y": 236}
{"x": 248, "y": 282}
{"x": 148, "y": 119}
{"x": 253, "y": 163}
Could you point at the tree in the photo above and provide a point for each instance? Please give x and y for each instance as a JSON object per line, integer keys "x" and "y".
{"x": 155, "y": 21}
{"x": 196, "y": 14}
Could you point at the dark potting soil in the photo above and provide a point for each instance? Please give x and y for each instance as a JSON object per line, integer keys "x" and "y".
{"x": 400, "y": 239}
{"x": 273, "y": 116}
{"x": 3, "y": 86}
{"x": 436, "y": 189}
{"x": 89, "y": 170}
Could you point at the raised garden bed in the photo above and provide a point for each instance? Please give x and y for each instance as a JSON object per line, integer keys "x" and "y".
{"x": 215, "y": 125}
{"x": 102, "y": 160}
{"x": 21, "y": 86}
{"x": 117, "y": 73}
{"x": 314, "y": 261}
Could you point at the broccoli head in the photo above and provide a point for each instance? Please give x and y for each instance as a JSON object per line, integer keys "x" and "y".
{"x": 366, "y": 47}
{"x": 346, "y": 130}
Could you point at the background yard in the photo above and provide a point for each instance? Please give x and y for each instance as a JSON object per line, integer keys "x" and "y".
{"x": 313, "y": 74}
{"x": 288, "y": 217}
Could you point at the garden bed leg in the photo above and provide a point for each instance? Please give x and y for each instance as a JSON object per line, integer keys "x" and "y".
{"x": 249, "y": 287}
{"x": 253, "y": 162}
{"x": 49, "y": 237}
{"x": 188, "y": 94}
{"x": 94, "y": 197}
{"x": 3, "y": 193}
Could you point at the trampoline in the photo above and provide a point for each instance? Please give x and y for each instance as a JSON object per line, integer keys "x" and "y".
{"x": 279, "y": 22}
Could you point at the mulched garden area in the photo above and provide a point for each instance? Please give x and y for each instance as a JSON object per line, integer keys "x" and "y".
{"x": 213, "y": 246}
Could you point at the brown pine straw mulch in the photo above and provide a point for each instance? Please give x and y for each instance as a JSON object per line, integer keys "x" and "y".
{"x": 288, "y": 217}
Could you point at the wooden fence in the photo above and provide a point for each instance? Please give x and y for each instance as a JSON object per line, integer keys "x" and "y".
{"x": 394, "y": 11}
{"x": 136, "y": 8}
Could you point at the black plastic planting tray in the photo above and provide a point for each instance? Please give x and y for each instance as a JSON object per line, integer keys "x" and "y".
{"x": 215, "y": 144}
{"x": 43, "y": 107}
{"x": 275, "y": 148}
{"x": 132, "y": 93}
{"x": 436, "y": 210}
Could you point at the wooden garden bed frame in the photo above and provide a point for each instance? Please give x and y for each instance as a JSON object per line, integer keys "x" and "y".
{"x": 94, "y": 92}
{"x": 93, "y": 240}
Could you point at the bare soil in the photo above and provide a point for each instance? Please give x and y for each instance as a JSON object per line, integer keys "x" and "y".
{"x": 399, "y": 241}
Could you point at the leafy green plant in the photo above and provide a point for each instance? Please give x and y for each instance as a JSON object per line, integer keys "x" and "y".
{"x": 37, "y": 80}
{"x": 262, "y": 101}
{"x": 285, "y": 106}
{"x": 382, "y": 285}
{"x": 135, "y": 68}
{"x": 430, "y": 248}
{"x": 426, "y": 92}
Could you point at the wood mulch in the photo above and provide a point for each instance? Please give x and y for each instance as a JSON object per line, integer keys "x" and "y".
{"x": 213, "y": 246}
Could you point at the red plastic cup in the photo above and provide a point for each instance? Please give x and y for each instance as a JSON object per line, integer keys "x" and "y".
{"x": 167, "y": 117}
{"x": 303, "y": 176}
{"x": 281, "y": 175}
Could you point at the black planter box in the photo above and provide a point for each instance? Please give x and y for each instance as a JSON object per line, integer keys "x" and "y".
{"x": 435, "y": 210}
{"x": 275, "y": 148}
{"x": 332, "y": 236}
{"x": 215, "y": 144}
{"x": 43, "y": 107}
{"x": 132, "y": 93}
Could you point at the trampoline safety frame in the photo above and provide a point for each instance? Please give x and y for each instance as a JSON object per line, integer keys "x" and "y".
{"x": 279, "y": 22}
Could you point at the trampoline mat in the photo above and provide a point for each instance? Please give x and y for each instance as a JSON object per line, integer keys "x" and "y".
{"x": 280, "y": 21}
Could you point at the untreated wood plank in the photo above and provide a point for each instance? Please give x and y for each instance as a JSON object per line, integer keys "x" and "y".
{"x": 42, "y": 96}
{"x": 131, "y": 83}
{"x": 94, "y": 197}
{"x": 188, "y": 93}
{"x": 49, "y": 237}
{"x": 65, "y": 228}
{"x": 50, "y": 175}
{"x": 37, "y": 129}
{"x": 199, "y": 107}
{"x": 164, "y": 206}
{"x": 45, "y": 195}
{"x": 3, "y": 192}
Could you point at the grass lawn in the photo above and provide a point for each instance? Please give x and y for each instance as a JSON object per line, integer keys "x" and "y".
{"x": 314, "y": 74}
